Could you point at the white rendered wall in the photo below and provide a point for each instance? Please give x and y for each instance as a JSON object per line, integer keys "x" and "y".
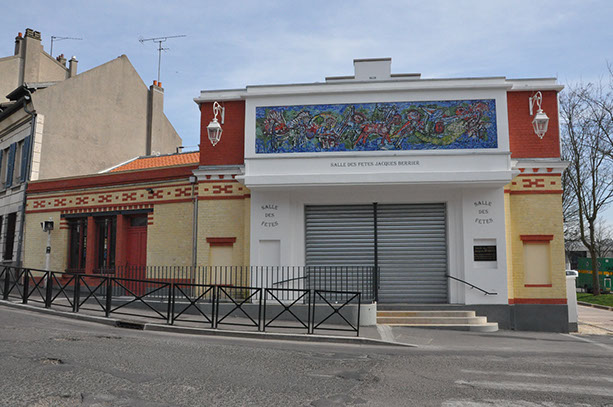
{"x": 279, "y": 216}
{"x": 467, "y": 181}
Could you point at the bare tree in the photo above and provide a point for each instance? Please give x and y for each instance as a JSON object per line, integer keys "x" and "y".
{"x": 604, "y": 239}
{"x": 589, "y": 177}
{"x": 599, "y": 99}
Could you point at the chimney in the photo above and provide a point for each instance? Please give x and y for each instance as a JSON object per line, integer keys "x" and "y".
{"x": 72, "y": 66}
{"x": 373, "y": 69}
{"x": 61, "y": 59}
{"x": 18, "y": 43}
{"x": 155, "y": 115}
{"x": 32, "y": 50}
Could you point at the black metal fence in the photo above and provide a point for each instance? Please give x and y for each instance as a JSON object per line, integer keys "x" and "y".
{"x": 329, "y": 278}
{"x": 227, "y": 302}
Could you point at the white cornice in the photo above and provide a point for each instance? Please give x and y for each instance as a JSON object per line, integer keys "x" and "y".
{"x": 354, "y": 87}
{"x": 554, "y": 163}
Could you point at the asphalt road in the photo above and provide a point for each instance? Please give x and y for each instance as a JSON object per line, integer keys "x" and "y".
{"x": 51, "y": 361}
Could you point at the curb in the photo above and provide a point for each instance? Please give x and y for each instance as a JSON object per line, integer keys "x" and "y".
{"x": 274, "y": 336}
{"x": 69, "y": 315}
{"x": 148, "y": 326}
{"x": 589, "y": 304}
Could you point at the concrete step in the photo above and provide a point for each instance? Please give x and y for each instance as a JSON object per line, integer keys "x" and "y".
{"x": 487, "y": 327}
{"x": 432, "y": 320}
{"x": 464, "y": 320}
{"x": 412, "y": 313}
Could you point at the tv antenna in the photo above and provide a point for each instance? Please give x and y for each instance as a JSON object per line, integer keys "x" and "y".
{"x": 54, "y": 38}
{"x": 160, "y": 40}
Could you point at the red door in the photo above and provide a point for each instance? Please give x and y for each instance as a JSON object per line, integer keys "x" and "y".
{"x": 136, "y": 257}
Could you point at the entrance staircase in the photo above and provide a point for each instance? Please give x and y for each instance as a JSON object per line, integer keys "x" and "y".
{"x": 460, "y": 320}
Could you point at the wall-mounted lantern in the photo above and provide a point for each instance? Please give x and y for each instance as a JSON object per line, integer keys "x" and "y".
{"x": 214, "y": 128}
{"x": 540, "y": 121}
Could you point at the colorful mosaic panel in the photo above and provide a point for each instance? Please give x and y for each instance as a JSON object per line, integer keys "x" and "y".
{"x": 457, "y": 124}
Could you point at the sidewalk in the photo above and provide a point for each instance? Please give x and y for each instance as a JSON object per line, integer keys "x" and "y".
{"x": 231, "y": 326}
{"x": 595, "y": 321}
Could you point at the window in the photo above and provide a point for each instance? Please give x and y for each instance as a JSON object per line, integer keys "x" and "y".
{"x": 537, "y": 260}
{"x": 106, "y": 229}
{"x": 17, "y": 165}
{"x": 4, "y": 162}
{"x": 138, "y": 220}
{"x": 78, "y": 243}
{"x": 9, "y": 242}
{"x": 10, "y": 168}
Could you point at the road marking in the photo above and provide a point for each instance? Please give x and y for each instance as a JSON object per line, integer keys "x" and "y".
{"x": 515, "y": 386}
{"x": 385, "y": 332}
{"x": 507, "y": 403}
{"x": 602, "y": 345}
{"x": 521, "y": 374}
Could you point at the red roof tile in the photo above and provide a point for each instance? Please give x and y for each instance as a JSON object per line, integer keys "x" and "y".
{"x": 160, "y": 161}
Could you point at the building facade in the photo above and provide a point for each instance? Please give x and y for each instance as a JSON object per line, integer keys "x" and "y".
{"x": 151, "y": 212}
{"x": 49, "y": 109}
{"x": 441, "y": 183}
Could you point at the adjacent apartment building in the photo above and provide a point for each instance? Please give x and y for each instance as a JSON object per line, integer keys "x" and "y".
{"x": 56, "y": 122}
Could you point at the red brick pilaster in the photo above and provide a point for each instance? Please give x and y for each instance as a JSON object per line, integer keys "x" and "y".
{"x": 92, "y": 244}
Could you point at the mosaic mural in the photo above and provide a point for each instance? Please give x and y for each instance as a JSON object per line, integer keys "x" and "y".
{"x": 457, "y": 124}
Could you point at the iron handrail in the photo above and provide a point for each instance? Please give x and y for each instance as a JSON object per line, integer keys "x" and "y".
{"x": 471, "y": 285}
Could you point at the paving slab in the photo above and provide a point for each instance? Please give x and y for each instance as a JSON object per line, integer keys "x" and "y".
{"x": 595, "y": 321}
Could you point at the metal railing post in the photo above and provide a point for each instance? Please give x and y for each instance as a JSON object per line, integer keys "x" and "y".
{"x": 216, "y": 296}
{"x": 359, "y": 309}
{"x": 77, "y": 293}
{"x": 311, "y": 311}
{"x": 309, "y": 304}
{"x": 262, "y": 326}
{"x": 171, "y": 304}
{"x": 109, "y": 296}
{"x": 49, "y": 289}
{"x": 376, "y": 285}
{"x": 260, "y": 320}
{"x": 26, "y": 286}
{"x": 7, "y": 283}
{"x": 213, "y": 308}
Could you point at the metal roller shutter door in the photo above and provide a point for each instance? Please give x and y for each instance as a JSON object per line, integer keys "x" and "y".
{"x": 411, "y": 239}
{"x": 412, "y": 253}
{"x": 341, "y": 235}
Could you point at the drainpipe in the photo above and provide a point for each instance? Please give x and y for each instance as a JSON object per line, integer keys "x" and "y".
{"x": 194, "y": 180}
{"x": 33, "y": 115}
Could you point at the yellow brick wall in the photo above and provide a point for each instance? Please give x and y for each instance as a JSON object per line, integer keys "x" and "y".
{"x": 535, "y": 214}
{"x": 223, "y": 218}
{"x": 35, "y": 242}
{"x": 507, "y": 220}
{"x": 224, "y": 212}
{"x": 169, "y": 238}
{"x": 246, "y": 230}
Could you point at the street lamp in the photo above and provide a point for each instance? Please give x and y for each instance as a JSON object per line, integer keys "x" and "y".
{"x": 540, "y": 121}
{"x": 214, "y": 128}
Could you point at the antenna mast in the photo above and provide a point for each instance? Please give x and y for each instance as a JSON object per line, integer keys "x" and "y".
{"x": 160, "y": 40}
{"x": 54, "y": 38}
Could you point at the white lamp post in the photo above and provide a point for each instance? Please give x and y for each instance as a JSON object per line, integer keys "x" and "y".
{"x": 540, "y": 121}
{"x": 214, "y": 128}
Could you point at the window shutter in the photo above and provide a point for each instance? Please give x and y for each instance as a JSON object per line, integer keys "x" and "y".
{"x": 10, "y": 168}
{"x": 1, "y": 157}
{"x": 25, "y": 154}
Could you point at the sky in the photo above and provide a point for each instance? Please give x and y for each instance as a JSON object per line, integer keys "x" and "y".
{"x": 232, "y": 44}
